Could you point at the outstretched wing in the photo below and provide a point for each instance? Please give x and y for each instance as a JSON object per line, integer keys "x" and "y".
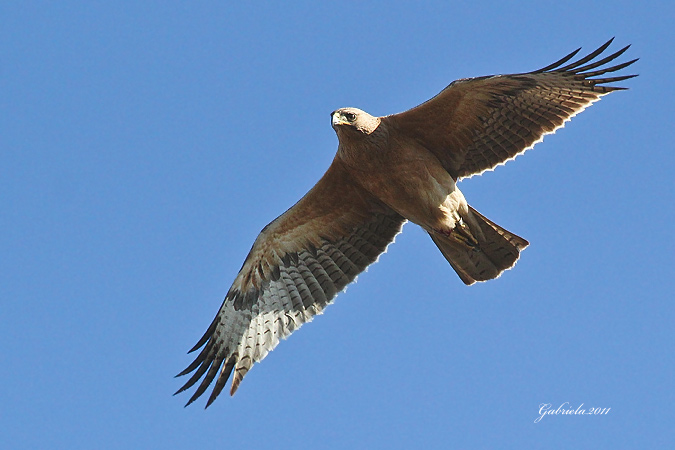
{"x": 298, "y": 263}
{"x": 475, "y": 124}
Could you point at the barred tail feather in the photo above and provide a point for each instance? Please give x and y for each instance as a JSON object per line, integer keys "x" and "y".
{"x": 497, "y": 250}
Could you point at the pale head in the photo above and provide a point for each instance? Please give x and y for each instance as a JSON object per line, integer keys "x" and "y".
{"x": 353, "y": 121}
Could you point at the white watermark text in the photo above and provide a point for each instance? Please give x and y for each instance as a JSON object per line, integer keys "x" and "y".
{"x": 547, "y": 409}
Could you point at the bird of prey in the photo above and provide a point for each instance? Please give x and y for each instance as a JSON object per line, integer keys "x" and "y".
{"x": 389, "y": 170}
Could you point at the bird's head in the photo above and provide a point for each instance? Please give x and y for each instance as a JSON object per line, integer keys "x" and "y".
{"x": 353, "y": 122}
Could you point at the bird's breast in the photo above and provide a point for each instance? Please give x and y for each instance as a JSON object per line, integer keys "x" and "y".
{"x": 408, "y": 179}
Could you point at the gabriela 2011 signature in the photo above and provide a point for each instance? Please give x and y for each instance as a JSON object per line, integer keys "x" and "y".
{"x": 546, "y": 409}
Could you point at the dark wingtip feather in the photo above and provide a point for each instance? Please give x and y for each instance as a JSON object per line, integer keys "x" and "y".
{"x": 615, "y": 79}
{"x": 559, "y": 62}
{"x": 203, "y": 356}
{"x": 189, "y": 368}
{"x": 600, "y": 83}
{"x": 206, "y": 335}
{"x": 195, "y": 377}
{"x": 586, "y": 58}
{"x": 609, "y": 69}
{"x": 599, "y": 63}
{"x": 222, "y": 380}
{"x": 580, "y": 70}
{"x": 213, "y": 369}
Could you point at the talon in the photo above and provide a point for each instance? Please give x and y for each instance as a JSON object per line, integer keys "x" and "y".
{"x": 462, "y": 233}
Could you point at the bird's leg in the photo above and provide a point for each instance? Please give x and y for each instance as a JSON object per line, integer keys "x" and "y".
{"x": 462, "y": 233}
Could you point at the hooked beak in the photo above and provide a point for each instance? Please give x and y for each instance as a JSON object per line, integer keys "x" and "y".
{"x": 337, "y": 119}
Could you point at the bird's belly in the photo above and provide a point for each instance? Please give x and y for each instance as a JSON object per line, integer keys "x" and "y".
{"x": 421, "y": 194}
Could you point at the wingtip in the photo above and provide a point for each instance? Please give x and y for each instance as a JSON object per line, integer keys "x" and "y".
{"x": 197, "y": 346}
{"x": 183, "y": 373}
{"x": 212, "y": 398}
{"x": 192, "y": 399}
{"x": 182, "y": 389}
{"x": 632, "y": 61}
{"x": 558, "y": 63}
{"x": 234, "y": 388}
{"x": 524, "y": 245}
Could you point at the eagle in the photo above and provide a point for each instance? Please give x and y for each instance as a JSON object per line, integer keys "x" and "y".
{"x": 389, "y": 170}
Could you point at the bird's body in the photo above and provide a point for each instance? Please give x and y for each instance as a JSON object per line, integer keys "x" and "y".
{"x": 398, "y": 170}
{"x": 410, "y": 179}
{"x": 388, "y": 170}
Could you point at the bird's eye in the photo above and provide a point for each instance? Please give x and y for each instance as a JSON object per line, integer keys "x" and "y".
{"x": 350, "y": 116}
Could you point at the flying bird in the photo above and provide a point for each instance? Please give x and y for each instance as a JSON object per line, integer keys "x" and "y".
{"x": 389, "y": 170}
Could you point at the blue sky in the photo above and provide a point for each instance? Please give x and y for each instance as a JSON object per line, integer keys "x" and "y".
{"x": 145, "y": 144}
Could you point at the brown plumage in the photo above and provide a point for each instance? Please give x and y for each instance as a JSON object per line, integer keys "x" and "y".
{"x": 388, "y": 170}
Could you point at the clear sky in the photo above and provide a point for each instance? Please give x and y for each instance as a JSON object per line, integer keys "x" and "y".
{"x": 143, "y": 146}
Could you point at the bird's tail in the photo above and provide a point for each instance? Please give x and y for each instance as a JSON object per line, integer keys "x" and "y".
{"x": 479, "y": 255}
